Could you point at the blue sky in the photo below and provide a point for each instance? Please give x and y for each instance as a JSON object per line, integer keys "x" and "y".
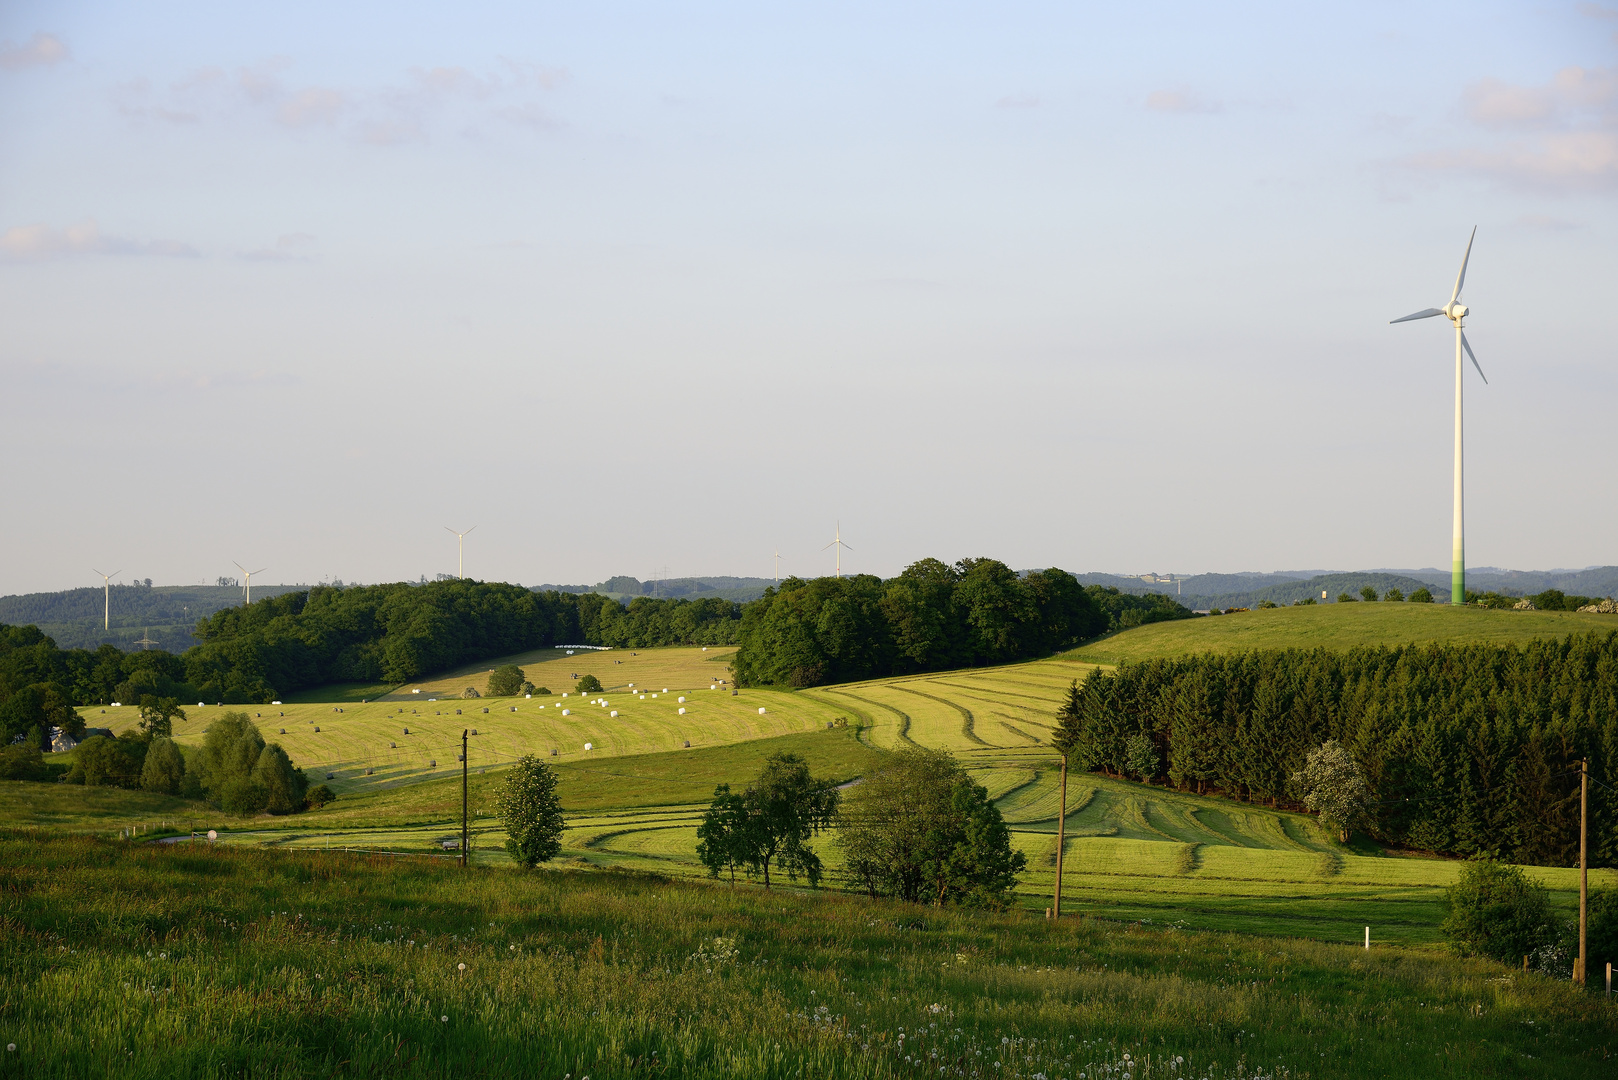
{"x": 633, "y": 286}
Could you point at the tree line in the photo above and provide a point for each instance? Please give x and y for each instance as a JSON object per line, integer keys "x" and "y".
{"x": 1467, "y": 749}
{"x": 932, "y": 617}
{"x": 380, "y": 633}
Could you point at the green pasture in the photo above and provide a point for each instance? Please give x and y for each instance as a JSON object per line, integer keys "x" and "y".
{"x": 1339, "y": 626}
{"x": 142, "y": 961}
{"x": 1133, "y": 852}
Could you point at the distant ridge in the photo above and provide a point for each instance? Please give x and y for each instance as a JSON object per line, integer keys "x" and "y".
{"x": 736, "y": 589}
{"x": 1204, "y": 591}
{"x": 72, "y": 617}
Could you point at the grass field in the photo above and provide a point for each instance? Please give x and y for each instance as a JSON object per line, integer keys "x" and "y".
{"x": 1339, "y": 626}
{"x": 399, "y": 737}
{"x": 191, "y": 961}
{"x": 1134, "y": 852}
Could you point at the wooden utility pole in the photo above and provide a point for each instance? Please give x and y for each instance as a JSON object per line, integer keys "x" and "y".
{"x": 1061, "y": 825}
{"x": 1584, "y": 864}
{"x": 466, "y": 836}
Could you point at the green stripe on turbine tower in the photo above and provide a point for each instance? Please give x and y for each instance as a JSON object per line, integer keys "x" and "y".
{"x": 1456, "y": 311}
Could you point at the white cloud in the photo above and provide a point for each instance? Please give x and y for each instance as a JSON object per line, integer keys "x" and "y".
{"x": 530, "y": 115}
{"x": 1180, "y": 101}
{"x": 1545, "y": 223}
{"x": 291, "y": 247}
{"x": 42, "y": 51}
{"x": 85, "y": 238}
{"x": 384, "y": 116}
{"x": 1562, "y": 134}
{"x": 313, "y": 105}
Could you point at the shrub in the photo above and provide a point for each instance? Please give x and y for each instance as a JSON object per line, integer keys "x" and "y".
{"x": 1493, "y": 910}
{"x": 240, "y": 795}
{"x": 539, "y": 691}
{"x": 529, "y": 808}
{"x": 589, "y": 685}
{"x": 1422, "y": 595}
{"x": 1345, "y": 598}
{"x": 104, "y": 762}
{"x": 319, "y": 796}
{"x": 22, "y": 762}
{"x": 470, "y": 692}
{"x": 164, "y": 770}
{"x": 505, "y": 681}
{"x": 1394, "y": 596}
{"x": 1141, "y": 756}
{"x": 1369, "y": 594}
{"x": 1333, "y": 785}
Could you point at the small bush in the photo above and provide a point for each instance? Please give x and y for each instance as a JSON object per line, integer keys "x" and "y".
{"x": 506, "y": 681}
{"x": 1393, "y": 596}
{"x": 319, "y": 796}
{"x": 1422, "y": 595}
{"x": 240, "y": 795}
{"x": 589, "y": 685}
{"x": 22, "y": 762}
{"x": 1493, "y": 910}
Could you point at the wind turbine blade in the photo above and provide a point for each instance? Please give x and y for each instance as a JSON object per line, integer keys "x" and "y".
{"x": 470, "y": 531}
{"x": 261, "y": 569}
{"x": 1468, "y": 346}
{"x": 1460, "y": 279}
{"x": 448, "y": 529}
{"x": 847, "y": 548}
{"x": 239, "y": 566}
{"x": 1427, "y": 314}
{"x": 832, "y": 544}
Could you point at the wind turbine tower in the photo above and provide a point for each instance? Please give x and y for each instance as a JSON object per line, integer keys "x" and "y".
{"x": 106, "y": 597}
{"x": 248, "y": 586}
{"x": 837, "y": 543}
{"x": 460, "y": 549}
{"x": 778, "y": 566}
{"x": 1455, "y": 312}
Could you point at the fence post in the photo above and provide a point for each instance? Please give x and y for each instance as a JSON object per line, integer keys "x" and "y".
{"x": 1367, "y": 938}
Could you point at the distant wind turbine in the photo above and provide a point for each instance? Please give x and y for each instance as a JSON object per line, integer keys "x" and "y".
{"x": 106, "y": 597}
{"x": 248, "y": 587}
{"x": 1455, "y": 311}
{"x": 839, "y": 545}
{"x": 778, "y": 566}
{"x": 460, "y": 541}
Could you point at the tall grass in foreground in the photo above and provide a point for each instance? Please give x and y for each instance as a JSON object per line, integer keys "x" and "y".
{"x": 126, "y": 960}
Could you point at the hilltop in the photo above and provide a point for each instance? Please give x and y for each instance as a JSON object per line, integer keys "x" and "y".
{"x": 1338, "y": 626}
{"x": 1204, "y": 591}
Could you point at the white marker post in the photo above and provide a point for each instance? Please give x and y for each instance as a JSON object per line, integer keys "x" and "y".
{"x": 1367, "y": 938}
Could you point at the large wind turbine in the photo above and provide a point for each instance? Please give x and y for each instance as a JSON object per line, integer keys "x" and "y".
{"x": 106, "y": 597}
{"x": 1455, "y": 311}
{"x": 778, "y": 566}
{"x": 250, "y": 573}
{"x": 839, "y": 545}
{"x": 460, "y": 540}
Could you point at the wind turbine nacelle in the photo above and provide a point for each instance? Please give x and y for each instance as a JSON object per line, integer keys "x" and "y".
{"x": 1456, "y": 311}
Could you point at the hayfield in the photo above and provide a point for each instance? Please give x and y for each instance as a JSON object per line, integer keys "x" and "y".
{"x": 1338, "y": 627}
{"x": 400, "y": 737}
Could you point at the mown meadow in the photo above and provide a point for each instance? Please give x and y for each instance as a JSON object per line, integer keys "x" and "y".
{"x": 198, "y": 960}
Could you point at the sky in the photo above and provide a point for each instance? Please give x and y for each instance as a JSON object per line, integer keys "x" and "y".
{"x": 667, "y": 288}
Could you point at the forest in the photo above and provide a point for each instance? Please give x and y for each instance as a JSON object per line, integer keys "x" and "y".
{"x": 1470, "y": 749}
{"x": 932, "y": 617}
